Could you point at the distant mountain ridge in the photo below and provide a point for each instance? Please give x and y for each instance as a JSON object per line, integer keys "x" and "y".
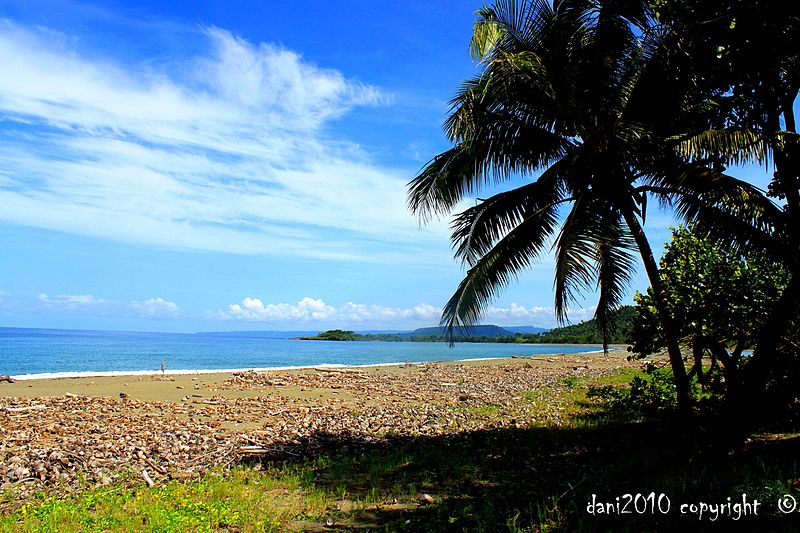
{"x": 526, "y": 329}
{"x": 484, "y": 330}
{"x": 471, "y": 331}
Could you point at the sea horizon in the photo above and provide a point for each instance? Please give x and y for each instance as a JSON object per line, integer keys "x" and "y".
{"x": 44, "y": 353}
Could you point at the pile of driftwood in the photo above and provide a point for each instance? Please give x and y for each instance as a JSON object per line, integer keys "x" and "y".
{"x": 66, "y": 441}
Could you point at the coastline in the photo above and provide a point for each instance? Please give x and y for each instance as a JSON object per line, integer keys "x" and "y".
{"x": 206, "y": 371}
{"x": 174, "y": 386}
{"x": 68, "y": 431}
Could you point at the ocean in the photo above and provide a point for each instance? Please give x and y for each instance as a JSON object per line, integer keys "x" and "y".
{"x": 40, "y": 353}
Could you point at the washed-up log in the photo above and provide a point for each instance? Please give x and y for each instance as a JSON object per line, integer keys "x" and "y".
{"x": 253, "y": 450}
{"x": 154, "y": 466}
{"x": 147, "y": 478}
{"x": 183, "y": 476}
{"x": 37, "y": 407}
{"x": 339, "y": 370}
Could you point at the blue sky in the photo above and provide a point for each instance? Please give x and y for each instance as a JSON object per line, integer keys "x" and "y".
{"x": 232, "y": 165}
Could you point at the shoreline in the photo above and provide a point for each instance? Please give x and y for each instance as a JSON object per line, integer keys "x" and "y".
{"x": 59, "y": 434}
{"x": 205, "y": 371}
{"x": 175, "y": 387}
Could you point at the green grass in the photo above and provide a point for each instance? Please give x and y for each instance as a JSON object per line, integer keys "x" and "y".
{"x": 533, "y": 478}
{"x": 259, "y": 501}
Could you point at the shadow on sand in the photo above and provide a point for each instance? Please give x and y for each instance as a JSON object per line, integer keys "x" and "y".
{"x": 543, "y": 479}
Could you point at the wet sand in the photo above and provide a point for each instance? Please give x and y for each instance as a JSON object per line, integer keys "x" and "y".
{"x": 160, "y": 387}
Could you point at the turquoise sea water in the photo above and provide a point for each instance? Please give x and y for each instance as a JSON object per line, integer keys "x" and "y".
{"x": 26, "y": 352}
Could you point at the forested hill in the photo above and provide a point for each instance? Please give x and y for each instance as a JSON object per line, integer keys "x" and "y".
{"x": 478, "y": 333}
{"x": 587, "y": 332}
{"x": 582, "y": 333}
{"x": 472, "y": 331}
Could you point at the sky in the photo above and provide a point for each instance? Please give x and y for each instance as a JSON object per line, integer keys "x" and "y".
{"x": 239, "y": 165}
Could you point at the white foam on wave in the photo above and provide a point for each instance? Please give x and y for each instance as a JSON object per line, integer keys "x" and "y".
{"x": 187, "y": 372}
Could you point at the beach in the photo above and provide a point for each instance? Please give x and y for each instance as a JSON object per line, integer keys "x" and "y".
{"x": 97, "y": 430}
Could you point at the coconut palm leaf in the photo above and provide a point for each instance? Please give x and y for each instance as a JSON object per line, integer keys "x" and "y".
{"x": 496, "y": 269}
{"x": 508, "y": 25}
{"x": 615, "y": 263}
{"x": 729, "y": 146}
{"x": 576, "y": 253}
{"x": 477, "y": 229}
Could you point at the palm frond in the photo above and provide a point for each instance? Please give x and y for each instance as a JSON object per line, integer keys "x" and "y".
{"x": 496, "y": 269}
{"x": 576, "y": 254}
{"x": 509, "y": 96}
{"x": 477, "y": 229}
{"x": 730, "y": 211}
{"x": 737, "y": 229}
{"x": 639, "y": 58}
{"x": 444, "y": 181}
{"x": 615, "y": 265}
{"x": 485, "y": 33}
{"x": 508, "y": 25}
{"x": 729, "y": 146}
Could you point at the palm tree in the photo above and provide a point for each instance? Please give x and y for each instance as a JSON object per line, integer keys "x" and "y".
{"x": 562, "y": 99}
{"x": 749, "y": 51}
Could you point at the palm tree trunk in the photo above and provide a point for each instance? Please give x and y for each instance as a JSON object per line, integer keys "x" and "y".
{"x": 776, "y": 325}
{"x": 673, "y": 348}
{"x": 785, "y": 309}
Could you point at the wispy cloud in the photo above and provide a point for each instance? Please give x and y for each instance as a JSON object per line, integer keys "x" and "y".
{"x": 308, "y": 312}
{"x": 226, "y": 152}
{"x": 72, "y": 302}
{"x": 86, "y": 304}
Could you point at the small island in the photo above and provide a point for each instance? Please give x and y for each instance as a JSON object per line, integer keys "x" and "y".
{"x": 334, "y": 335}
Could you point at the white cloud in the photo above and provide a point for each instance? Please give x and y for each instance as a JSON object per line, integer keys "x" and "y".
{"x": 156, "y": 308}
{"x": 519, "y": 315}
{"x": 227, "y": 152}
{"x": 308, "y": 312}
{"x": 255, "y": 310}
{"x": 316, "y": 312}
{"x": 276, "y": 79}
{"x": 86, "y": 304}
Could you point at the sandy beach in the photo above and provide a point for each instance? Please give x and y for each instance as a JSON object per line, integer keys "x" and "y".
{"x": 54, "y": 432}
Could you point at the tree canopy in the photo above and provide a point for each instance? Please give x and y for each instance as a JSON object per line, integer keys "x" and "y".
{"x": 603, "y": 107}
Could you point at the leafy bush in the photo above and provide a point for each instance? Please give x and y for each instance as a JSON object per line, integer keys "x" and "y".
{"x": 645, "y": 395}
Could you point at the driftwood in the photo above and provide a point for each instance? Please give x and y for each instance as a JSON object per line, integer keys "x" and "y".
{"x": 70, "y": 439}
{"x": 7, "y": 378}
{"x": 352, "y": 371}
{"x": 37, "y": 407}
{"x": 253, "y": 450}
{"x": 147, "y": 478}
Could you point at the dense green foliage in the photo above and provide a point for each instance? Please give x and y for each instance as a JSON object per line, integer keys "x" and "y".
{"x": 588, "y": 331}
{"x": 585, "y": 332}
{"x": 719, "y": 300}
{"x": 714, "y": 293}
{"x": 605, "y": 106}
{"x": 335, "y": 335}
{"x": 340, "y": 335}
{"x": 742, "y": 57}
